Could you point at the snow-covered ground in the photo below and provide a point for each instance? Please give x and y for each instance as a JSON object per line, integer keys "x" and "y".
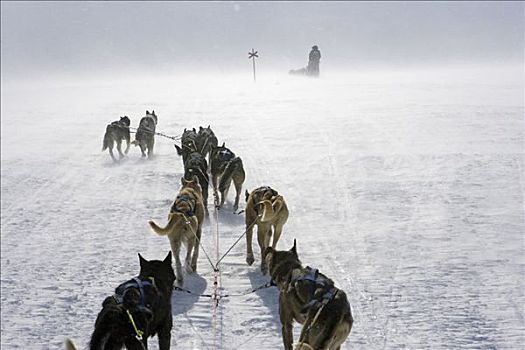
{"x": 406, "y": 188}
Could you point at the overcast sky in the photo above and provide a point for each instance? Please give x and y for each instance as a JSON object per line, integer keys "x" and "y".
{"x": 100, "y": 37}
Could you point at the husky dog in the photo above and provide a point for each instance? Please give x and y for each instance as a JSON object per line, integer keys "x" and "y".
{"x": 226, "y": 167}
{"x": 184, "y": 225}
{"x": 310, "y": 298}
{"x": 196, "y": 165}
{"x": 140, "y": 308}
{"x": 188, "y": 144}
{"x": 266, "y": 209}
{"x": 206, "y": 140}
{"x": 115, "y": 133}
{"x": 145, "y": 136}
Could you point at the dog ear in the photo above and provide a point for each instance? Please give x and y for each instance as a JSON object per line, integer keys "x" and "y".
{"x": 194, "y": 130}
{"x": 179, "y": 150}
{"x": 142, "y": 261}
{"x": 147, "y": 112}
{"x": 167, "y": 260}
{"x": 294, "y": 248}
{"x": 223, "y": 144}
{"x": 247, "y": 194}
{"x": 200, "y": 128}
{"x": 183, "y": 181}
{"x": 208, "y": 126}
{"x": 152, "y": 112}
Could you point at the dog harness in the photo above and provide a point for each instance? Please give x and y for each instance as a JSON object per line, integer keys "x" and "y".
{"x": 184, "y": 198}
{"x": 226, "y": 155}
{"x": 315, "y": 281}
{"x": 142, "y": 307}
{"x": 135, "y": 283}
{"x": 262, "y": 189}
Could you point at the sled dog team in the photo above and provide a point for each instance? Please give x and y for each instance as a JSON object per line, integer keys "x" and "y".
{"x": 141, "y": 307}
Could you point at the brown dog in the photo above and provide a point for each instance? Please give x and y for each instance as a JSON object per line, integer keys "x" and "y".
{"x": 184, "y": 225}
{"x": 266, "y": 209}
{"x": 310, "y": 298}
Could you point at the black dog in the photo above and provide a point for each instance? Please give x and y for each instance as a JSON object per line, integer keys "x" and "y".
{"x": 225, "y": 167}
{"x": 115, "y": 133}
{"x": 145, "y": 136}
{"x": 140, "y": 308}
{"x": 196, "y": 165}
{"x": 188, "y": 144}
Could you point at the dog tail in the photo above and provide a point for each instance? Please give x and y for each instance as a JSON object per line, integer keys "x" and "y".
{"x": 270, "y": 209}
{"x": 231, "y": 167}
{"x": 69, "y": 345}
{"x": 163, "y": 231}
{"x": 107, "y": 138}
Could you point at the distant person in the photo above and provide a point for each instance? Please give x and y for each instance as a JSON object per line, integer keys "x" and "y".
{"x": 313, "y": 62}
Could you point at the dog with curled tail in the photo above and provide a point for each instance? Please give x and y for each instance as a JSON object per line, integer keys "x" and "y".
{"x": 267, "y": 210}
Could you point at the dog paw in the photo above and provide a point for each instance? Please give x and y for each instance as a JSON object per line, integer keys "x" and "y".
{"x": 250, "y": 260}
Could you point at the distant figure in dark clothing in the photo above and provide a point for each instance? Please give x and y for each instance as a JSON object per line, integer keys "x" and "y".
{"x": 313, "y": 62}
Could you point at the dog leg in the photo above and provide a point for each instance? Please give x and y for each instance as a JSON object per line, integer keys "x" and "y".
{"x": 263, "y": 236}
{"x": 119, "y": 149}
{"x": 175, "y": 248}
{"x": 112, "y": 155}
{"x": 224, "y": 194}
{"x": 238, "y": 188}
{"x": 204, "y": 188}
{"x": 150, "y": 148}
{"x": 214, "y": 183}
{"x": 189, "y": 261}
{"x": 196, "y": 249}
{"x": 287, "y": 325}
{"x": 127, "y": 143}
{"x": 277, "y": 234}
{"x": 164, "y": 335}
{"x": 249, "y": 250}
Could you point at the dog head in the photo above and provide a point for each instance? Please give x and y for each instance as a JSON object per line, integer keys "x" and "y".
{"x": 206, "y": 139}
{"x": 152, "y": 115}
{"x": 188, "y": 143}
{"x": 124, "y": 121}
{"x": 160, "y": 271}
{"x": 206, "y": 132}
{"x": 281, "y": 262}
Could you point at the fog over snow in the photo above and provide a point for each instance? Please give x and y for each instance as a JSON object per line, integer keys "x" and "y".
{"x": 402, "y": 165}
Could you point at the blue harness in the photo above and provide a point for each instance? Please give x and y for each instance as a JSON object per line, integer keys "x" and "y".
{"x": 135, "y": 283}
{"x": 314, "y": 281}
{"x": 184, "y": 198}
